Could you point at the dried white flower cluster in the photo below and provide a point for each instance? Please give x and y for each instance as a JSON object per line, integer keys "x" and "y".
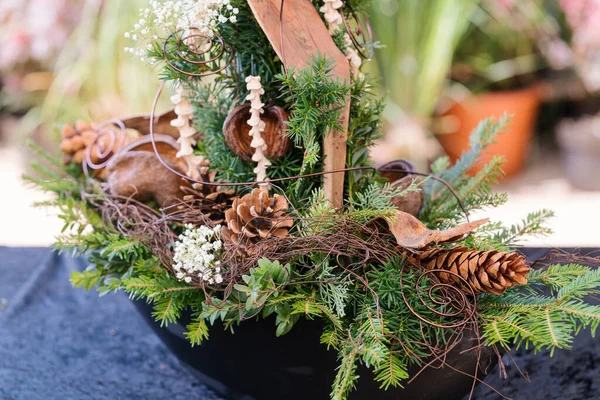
{"x": 162, "y": 18}
{"x": 331, "y": 14}
{"x": 207, "y": 14}
{"x": 196, "y": 254}
{"x": 258, "y": 126}
{"x": 330, "y": 10}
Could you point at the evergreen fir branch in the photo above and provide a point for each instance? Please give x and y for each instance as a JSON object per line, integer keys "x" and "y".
{"x": 588, "y": 316}
{"x": 46, "y": 173}
{"x": 86, "y": 279}
{"x": 345, "y": 379}
{"x": 543, "y": 321}
{"x": 481, "y": 137}
{"x": 481, "y": 183}
{"x": 532, "y": 225}
{"x": 391, "y": 373}
{"x": 43, "y": 154}
{"x": 140, "y": 287}
{"x": 376, "y": 201}
{"x": 197, "y": 332}
{"x": 167, "y": 310}
{"x": 505, "y": 331}
{"x": 440, "y": 165}
{"x": 329, "y": 338}
{"x": 311, "y": 308}
{"x": 475, "y": 193}
{"x": 440, "y": 203}
{"x": 581, "y": 286}
{"x": 51, "y": 185}
{"x": 123, "y": 249}
{"x": 316, "y": 99}
{"x": 556, "y": 276}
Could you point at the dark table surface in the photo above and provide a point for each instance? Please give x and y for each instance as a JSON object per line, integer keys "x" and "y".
{"x": 60, "y": 343}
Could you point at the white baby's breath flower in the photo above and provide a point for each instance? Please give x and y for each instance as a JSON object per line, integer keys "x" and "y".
{"x": 196, "y": 254}
{"x": 163, "y": 18}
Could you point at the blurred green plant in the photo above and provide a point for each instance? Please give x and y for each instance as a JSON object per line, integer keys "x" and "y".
{"x": 419, "y": 39}
{"x": 94, "y": 77}
{"x": 506, "y": 45}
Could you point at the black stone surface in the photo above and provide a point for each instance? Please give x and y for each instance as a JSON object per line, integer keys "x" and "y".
{"x": 65, "y": 344}
{"x": 60, "y": 343}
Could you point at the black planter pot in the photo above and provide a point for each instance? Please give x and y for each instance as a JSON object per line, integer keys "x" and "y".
{"x": 255, "y": 364}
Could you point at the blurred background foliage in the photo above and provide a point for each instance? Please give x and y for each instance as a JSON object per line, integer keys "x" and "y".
{"x": 418, "y": 40}
{"x": 443, "y": 64}
{"x": 84, "y": 74}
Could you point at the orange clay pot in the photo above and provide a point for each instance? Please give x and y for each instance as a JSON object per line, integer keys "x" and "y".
{"x": 513, "y": 144}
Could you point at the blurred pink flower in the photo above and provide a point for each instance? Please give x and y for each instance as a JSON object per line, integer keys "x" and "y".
{"x": 14, "y": 48}
{"x": 35, "y": 30}
{"x": 583, "y": 16}
{"x": 507, "y": 4}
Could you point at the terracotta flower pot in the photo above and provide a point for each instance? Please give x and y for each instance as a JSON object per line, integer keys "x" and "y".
{"x": 513, "y": 144}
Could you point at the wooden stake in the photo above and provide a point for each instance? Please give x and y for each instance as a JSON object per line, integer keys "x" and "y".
{"x": 305, "y": 35}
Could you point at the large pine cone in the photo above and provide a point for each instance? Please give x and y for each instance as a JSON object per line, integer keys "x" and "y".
{"x": 256, "y": 217}
{"x": 485, "y": 271}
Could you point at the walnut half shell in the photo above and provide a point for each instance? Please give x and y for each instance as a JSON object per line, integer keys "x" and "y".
{"x": 236, "y": 131}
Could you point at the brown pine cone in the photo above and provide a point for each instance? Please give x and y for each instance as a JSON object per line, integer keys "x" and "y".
{"x": 76, "y": 139}
{"x": 485, "y": 271}
{"x": 256, "y": 217}
{"x": 208, "y": 200}
{"x": 211, "y": 205}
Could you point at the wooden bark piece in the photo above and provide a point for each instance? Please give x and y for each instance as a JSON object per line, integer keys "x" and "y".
{"x": 305, "y": 35}
{"x": 162, "y": 124}
{"x": 411, "y": 233}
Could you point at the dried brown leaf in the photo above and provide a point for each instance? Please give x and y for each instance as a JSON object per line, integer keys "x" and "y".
{"x": 411, "y": 233}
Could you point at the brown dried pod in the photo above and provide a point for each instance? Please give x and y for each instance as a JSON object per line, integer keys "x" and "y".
{"x": 165, "y": 145}
{"x": 236, "y": 131}
{"x": 412, "y": 201}
{"x": 139, "y": 175}
{"x": 162, "y": 124}
{"x": 397, "y": 169}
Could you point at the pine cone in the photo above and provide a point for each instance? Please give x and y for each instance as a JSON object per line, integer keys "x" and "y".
{"x": 486, "y": 271}
{"x": 208, "y": 200}
{"x": 255, "y": 217}
{"x": 76, "y": 139}
{"x": 211, "y": 205}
